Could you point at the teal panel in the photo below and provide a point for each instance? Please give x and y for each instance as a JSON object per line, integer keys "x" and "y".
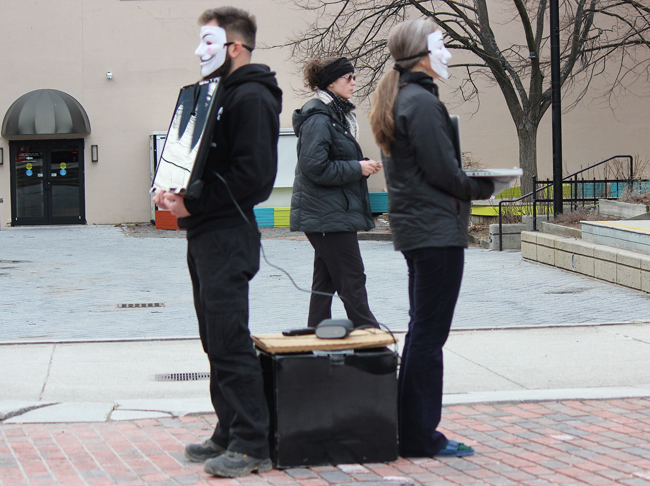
{"x": 265, "y": 217}
{"x": 379, "y": 202}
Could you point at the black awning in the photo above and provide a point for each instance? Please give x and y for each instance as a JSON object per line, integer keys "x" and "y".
{"x": 45, "y": 112}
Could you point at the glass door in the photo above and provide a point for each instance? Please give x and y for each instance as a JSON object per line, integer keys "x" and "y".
{"x": 28, "y": 183}
{"x": 67, "y": 205}
{"x": 47, "y": 182}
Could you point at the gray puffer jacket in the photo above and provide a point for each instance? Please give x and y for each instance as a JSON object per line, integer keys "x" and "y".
{"x": 429, "y": 194}
{"x": 330, "y": 194}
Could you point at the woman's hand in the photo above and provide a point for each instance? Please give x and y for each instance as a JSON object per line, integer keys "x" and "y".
{"x": 501, "y": 184}
{"x": 369, "y": 167}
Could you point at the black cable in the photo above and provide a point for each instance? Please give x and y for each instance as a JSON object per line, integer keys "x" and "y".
{"x": 309, "y": 291}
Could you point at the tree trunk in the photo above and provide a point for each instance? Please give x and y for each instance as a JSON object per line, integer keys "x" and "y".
{"x": 527, "y": 155}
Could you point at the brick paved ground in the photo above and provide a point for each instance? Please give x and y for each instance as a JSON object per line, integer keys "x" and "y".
{"x": 600, "y": 442}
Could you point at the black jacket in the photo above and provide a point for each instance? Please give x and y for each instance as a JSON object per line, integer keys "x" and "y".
{"x": 246, "y": 135}
{"x": 330, "y": 193}
{"x": 428, "y": 192}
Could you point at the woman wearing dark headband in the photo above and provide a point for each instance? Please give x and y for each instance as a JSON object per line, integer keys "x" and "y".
{"x": 429, "y": 202}
{"x": 330, "y": 200}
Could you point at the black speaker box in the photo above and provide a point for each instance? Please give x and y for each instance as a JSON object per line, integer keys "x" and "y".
{"x": 332, "y": 407}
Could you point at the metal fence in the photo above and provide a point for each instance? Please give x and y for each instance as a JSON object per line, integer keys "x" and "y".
{"x": 606, "y": 179}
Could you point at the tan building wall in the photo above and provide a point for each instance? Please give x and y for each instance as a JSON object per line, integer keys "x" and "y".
{"x": 148, "y": 45}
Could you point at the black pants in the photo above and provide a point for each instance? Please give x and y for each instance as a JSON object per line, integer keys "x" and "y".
{"x": 221, "y": 264}
{"x": 338, "y": 267}
{"x": 435, "y": 275}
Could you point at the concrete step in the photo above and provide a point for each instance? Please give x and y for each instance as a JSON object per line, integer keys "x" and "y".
{"x": 611, "y": 264}
{"x": 629, "y": 235}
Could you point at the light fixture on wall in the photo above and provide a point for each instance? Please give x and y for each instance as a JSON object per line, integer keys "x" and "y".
{"x": 94, "y": 155}
{"x": 2, "y": 155}
{"x": 109, "y": 75}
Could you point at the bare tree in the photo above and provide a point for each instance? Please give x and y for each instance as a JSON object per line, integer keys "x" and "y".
{"x": 610, "y": 37}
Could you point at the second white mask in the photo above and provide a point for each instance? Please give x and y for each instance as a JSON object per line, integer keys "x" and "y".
{"x": 438, "y": 54}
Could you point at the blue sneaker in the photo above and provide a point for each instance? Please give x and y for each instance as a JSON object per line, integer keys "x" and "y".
{"x": 456, "y": 449}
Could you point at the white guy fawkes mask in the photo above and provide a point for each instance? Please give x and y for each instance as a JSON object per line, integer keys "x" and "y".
{"x": 211, "y": 50}
{"x": 438, "y": 54}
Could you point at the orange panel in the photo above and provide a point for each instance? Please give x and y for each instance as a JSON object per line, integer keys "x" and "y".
{"x": 165, "y": 220}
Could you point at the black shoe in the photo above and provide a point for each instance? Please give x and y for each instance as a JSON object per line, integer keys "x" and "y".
{"x": 234, "y": 464}
{"x": 203, "y": 452}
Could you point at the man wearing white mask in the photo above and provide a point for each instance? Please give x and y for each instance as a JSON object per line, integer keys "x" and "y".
{"x": 223, "y": 247}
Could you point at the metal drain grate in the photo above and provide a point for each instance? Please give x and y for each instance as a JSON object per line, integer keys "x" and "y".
{"x": 140, "y": 306}
{"x": 183, "y": 376}
{"x": 577, "y": 290}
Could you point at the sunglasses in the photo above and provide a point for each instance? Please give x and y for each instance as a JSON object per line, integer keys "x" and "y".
{"x": 349, "y": 78}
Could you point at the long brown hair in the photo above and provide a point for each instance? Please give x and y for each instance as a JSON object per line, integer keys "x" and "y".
{"x": 406, "y": 39}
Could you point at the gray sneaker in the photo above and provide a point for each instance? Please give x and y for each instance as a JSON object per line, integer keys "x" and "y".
{"x": 203, "y": 452}
{"x": 234, "y": 464}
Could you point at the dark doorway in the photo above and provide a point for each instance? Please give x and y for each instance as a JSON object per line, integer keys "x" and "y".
{"x": 47, "y": 182}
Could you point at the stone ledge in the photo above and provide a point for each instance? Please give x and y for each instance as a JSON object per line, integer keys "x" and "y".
{"x": 559, "y": 230}
{"x": 607, "y": 263}
{"x": 618, "y": 209}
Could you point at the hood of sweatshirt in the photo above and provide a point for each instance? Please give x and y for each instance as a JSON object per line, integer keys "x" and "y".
{"x": 255, "y": 73}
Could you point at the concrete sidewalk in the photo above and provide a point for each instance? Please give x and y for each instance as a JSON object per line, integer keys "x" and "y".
{"x": 116, "y": 380}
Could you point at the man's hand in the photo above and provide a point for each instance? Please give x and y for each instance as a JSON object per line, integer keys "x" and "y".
{"x": 159, "y": 199}
{"x": 174, "y": 202}
{"x": 369, "y": 167}
{"x": 176, "y": 205}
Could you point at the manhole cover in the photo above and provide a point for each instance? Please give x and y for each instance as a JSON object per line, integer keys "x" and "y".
{"x": 140, "y": 306}
{"x": 183, "y": 376}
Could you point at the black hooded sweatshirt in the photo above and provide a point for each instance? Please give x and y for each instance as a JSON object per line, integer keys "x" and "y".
{"x": 246, "y": 135}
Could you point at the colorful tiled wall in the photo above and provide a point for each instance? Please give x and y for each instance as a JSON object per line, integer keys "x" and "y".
{"x": 279, "y": 217}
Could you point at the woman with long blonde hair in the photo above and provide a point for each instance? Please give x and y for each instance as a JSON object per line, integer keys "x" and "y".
{"x": 429, "y": 203}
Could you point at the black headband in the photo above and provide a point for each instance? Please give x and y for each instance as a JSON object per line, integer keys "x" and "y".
{"x": 334, "y": 70}
{"x": 421, "y": 54}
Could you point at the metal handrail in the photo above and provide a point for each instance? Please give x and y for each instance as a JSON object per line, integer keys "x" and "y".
{"x": 534, "y": 192}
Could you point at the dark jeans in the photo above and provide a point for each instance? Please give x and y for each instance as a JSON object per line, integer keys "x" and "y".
{"x": 221, "y": 264}
{"x": 435, "y": 275}
{"x": 338, "y": 267}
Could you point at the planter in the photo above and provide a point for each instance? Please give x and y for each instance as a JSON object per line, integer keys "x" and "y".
{"x": 617, "y": 209}
{"x": 511, "y": 236}
{"x": 512, "y": 233}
